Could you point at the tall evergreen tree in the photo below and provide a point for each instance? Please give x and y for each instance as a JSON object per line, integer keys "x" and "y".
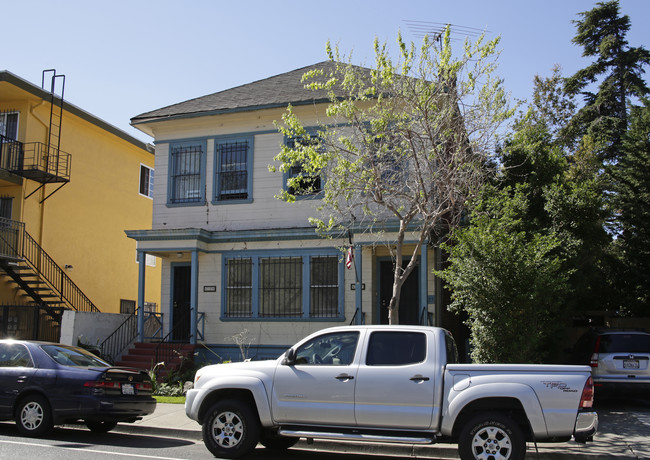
{"x": 631, "y": 182}
{"x": 602, "y": 34}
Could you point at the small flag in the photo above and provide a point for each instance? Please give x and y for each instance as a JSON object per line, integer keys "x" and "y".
{"x": 349, "y": 258}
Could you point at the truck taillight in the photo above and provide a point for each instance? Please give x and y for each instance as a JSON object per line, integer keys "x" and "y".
{"x": 587, "y": 398}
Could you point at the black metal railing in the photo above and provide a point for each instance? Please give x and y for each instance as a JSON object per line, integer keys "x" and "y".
{"x": 54, "y": 275}
{"x": 168, "y": 348}
{"x": 34, "y": 160}
{"x": 126, "y": 333}
{"x": 11, "y": 239}
{"x": 11, "y": 153}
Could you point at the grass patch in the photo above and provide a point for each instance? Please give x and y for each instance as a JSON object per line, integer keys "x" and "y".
{"x": 170, "y": 399}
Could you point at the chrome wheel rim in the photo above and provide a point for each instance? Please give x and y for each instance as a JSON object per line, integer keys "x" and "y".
{"x": 31, "y": 415}
{"x": 227, "y": 429}
{"x": 491, "y": 443}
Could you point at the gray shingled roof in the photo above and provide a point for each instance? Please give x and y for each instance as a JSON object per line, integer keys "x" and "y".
{"x": 276, "y": 91}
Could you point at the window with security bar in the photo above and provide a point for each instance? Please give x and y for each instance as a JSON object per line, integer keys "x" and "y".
{"x": 186, "y": 182}
{"x": 324, "y": 287}
{"x": 233, "y": 162}
{"x": 239, "y": 287}
{"x": 280, "y": 287}
{"x": 9, "y": 125}
{"x": 275, "y": 287}
{"x": 308, "y": 184}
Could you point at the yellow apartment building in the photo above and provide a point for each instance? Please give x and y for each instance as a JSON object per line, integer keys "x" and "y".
{"x": 70, "y": 185}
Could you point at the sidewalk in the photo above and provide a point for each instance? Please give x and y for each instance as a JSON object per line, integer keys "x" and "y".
{"x": 622, "y": 434}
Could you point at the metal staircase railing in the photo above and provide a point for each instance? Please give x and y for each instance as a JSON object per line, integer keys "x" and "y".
{"x": 115, "y": 344}
{"x": 17, "y": 244}
{"x": 54, "y": 275}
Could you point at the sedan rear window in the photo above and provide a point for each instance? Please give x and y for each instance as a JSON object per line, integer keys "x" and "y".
{"x": 73, "y": 356}
{"x": 624, "y": 343}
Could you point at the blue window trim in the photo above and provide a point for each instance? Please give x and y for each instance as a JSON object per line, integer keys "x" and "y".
{"x": 204, "y": 146}
{"x": 306, "y": 254}
{"x": 311, "y": 131}
{"x": 217, "y": 168}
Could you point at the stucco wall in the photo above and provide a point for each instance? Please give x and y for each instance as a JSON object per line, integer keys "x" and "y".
{"x": 92, "y": 328}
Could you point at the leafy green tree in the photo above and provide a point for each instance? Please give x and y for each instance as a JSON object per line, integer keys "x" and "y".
{"x": 509, "y": 280}
{"x": 404, "y": 143}
{"x": 631, "y": 182}
{"x": 602, "y": 34}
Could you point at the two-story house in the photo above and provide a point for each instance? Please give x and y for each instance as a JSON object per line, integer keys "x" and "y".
{"x": 70, "y": 183}
{"x": 235, "y": 259}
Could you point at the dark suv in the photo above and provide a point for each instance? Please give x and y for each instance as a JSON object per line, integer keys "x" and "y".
{"x": 619, "y": 359}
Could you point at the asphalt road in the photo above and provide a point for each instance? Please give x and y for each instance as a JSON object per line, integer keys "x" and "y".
{"x": 81, "y": 444}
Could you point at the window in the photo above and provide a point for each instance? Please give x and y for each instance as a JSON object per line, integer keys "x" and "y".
{"x": 6, "y": 204}
{"x": 186, "y": 173}
{"x": 14, "y": 355}
{"x": 149, "y": 259}
{"x": 233, "y": 162}
{"x": 335, "y": 349}
{"x": 396, "y": 348}
{"x": 239, "y": 287}
{"x": 9, "y": 125}
{"x": 268, "y": 286}
{"x": 146, "y": 181}
{"x": 127, "y": 306}
{"x": 308, "y": 185}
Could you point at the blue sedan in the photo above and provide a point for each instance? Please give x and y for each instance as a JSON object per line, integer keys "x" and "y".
{"x": 44, "y": 384}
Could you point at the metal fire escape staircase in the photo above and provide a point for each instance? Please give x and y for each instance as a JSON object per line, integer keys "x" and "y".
{"x": 46, "y": 163}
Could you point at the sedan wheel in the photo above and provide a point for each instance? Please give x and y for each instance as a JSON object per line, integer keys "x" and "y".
{"x": 33, "y": 416}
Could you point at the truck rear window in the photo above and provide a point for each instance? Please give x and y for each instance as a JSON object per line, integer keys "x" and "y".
{"x": 387, "y": 348}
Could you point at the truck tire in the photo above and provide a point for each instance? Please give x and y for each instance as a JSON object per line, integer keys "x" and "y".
{"x": 491, "y": 436}
{"x": 231, "y": 429}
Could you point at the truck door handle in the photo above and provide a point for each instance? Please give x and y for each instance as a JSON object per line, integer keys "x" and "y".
{"x": 344, "y": 377}
{"x": 419, "y": 378}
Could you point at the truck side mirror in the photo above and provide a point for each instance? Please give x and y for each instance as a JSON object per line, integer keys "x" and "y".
{"x": 289, "y": 357}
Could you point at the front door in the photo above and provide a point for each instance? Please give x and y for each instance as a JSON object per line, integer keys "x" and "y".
{"x": 181, "y": 308}
{"x": 409, "y": 296}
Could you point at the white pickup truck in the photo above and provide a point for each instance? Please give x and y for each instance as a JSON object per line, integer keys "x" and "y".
{"x": 389, "y": 384}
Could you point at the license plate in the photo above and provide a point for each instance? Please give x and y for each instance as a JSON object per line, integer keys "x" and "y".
{"x": 127, "y": 388}
{"x": 630, "y": 364}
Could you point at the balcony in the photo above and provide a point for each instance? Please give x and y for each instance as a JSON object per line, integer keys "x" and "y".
{"x": 35, "y": 161}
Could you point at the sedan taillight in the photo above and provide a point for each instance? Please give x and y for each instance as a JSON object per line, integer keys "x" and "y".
{"x": 587, "y": 398}
{"x": 101, "y": 384}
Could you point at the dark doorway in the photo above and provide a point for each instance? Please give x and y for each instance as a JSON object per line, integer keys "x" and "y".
{"x": 181, "y": 303}
{"x": 409, "y": 301}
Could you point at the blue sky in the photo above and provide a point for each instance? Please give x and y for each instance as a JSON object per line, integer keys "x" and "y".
{"x": 122, "y": 58}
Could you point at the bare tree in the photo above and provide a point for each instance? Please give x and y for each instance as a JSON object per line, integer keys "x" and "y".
{"x": 403, "y": 143}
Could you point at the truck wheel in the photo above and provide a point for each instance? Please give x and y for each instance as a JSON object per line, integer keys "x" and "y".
{"x": 231, "y": 429}
{"x": 491, "y": 436}
{"x": 273, "y": 441}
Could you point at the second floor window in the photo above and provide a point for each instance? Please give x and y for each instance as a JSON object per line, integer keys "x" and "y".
{"x": 186, "y": 179}
{"x": 146, "y": 181}
{"x": 233, "y": 161}
{"x": 9, "y": 125}
{"x": 308, "y": 184}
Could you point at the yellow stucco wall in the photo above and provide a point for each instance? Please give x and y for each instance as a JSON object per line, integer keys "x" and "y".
{"x": 82, "y": 224}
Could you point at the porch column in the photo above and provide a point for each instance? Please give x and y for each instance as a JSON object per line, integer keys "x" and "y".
{"x": 194, "y": 296}
{"x": 424, "y": 288}
{"x": 142, "y": 266}
{"x": 358, "y": 263}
